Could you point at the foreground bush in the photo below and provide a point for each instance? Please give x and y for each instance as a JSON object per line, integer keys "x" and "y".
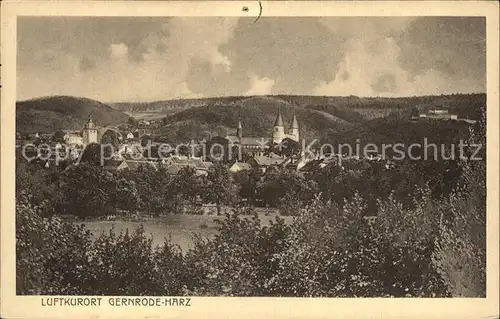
{"x": 327, "y": 251}
{"x": 51, "y": 255}
{"x": 460, "y": 256}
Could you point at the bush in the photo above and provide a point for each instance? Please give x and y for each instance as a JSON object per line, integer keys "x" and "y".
{"x": 51, "y": 255}
{"x": 238, "y": 261}
{"x": 460, "y": 256}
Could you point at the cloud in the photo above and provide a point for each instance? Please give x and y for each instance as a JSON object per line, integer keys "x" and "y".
{"x": 143, "y": 59}
{"x": 159, "y": 72}
{"x": 367, "y": 72}
{"x": 118, "y": 51}
{"x": 260, "y": 86}
{"x": 379, "y": 60}
{"x": 296, "y": 53}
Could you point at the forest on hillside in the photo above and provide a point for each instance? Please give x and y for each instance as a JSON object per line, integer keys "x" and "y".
{"x": 49, "y": 114}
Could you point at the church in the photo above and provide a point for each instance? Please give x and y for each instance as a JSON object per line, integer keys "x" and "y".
{"x": 257, "y": 145}
{"x": 89, "y": 134}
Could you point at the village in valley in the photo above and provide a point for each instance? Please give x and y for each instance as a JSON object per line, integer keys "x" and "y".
{"x": 210, "y": 156}
{"x": 133, "y": 144}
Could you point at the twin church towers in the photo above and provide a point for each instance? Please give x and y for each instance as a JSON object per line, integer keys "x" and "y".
{"x": 278, "y": 129}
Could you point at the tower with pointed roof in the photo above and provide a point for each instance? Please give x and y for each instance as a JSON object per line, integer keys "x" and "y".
{"x": 239, "y": 130}
{"x": 89, "y": 132}
{"x": 278, "y": 129}
{"x": 293, "y": 131}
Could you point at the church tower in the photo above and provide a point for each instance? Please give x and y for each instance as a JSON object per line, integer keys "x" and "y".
{"x": 89, "y": 132}
{"x": 278, "y": 129}
{"x": 239, "y": 130}
{"x": 293, "y": 132}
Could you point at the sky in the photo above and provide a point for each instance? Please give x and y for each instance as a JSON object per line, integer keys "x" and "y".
{"x": 155, "y": 58}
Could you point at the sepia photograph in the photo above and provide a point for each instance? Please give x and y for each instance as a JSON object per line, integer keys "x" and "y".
{"x": 249, "y": 156}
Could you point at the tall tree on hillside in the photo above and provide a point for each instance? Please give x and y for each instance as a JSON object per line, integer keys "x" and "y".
{"x": 132, "y": 121}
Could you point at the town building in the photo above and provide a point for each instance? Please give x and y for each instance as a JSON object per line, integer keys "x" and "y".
{"x": 73, "y": 138}
{"x": 131, "y": 162}
{"x": 89, "y": 132}
{"x": 239, "y": 166}
{"x": 264, "y": 162}
{"x": 176, "y": 163}
{"x": 438, "y": 114}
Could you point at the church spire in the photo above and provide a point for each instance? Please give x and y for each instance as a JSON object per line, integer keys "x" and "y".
{"x": 239, "y": 130}
{"x": 90, "y": 123}
{"x": 293, "y": 131}
{"x": 295, "y": 123}
{"x": 278, "y": 129}
{"x": 279, "y": 119}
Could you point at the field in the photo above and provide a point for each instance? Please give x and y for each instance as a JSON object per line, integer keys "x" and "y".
{"x": 180, "y": 228}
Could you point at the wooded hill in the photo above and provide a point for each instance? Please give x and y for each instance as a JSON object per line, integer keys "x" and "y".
{"x": 49, "y": 114}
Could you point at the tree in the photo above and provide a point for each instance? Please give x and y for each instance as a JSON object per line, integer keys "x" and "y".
{"x": 132, "y": 121}
{"x": 146, "y": 140}
{"x": 110, "y": 138}
{"x": 286, "y": 190}
{"x": 414, "y": 112}
{"x": 58, "y": 136}
{"x": 287, "y": 147}
{"x": 185, "y": 189}
{"x": 88, "y": 190}
{"x": 91, "y": 154}
{"x": 219, "y": 188}
{"x": 35, "y": 186}
{"x": 153, "y": 188}
{"x": 218, "y": 149}
{"x": 247, "y": 181}
{"x": 126, "y": 196}
{"x": 51, "y": 255}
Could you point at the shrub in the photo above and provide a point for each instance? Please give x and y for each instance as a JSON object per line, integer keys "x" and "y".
{"x": 460, "y": 256}
{"x": 122, "y": 264}
{"x": 50, "y": 253}
{"x": 336, "y": 252}
{"x": 237, "y": 262}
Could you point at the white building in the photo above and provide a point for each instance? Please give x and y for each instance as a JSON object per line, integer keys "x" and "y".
{"x": 279, "y": 129}
{"x": 90, "y": 132}
{"x": 73, "y": 138}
